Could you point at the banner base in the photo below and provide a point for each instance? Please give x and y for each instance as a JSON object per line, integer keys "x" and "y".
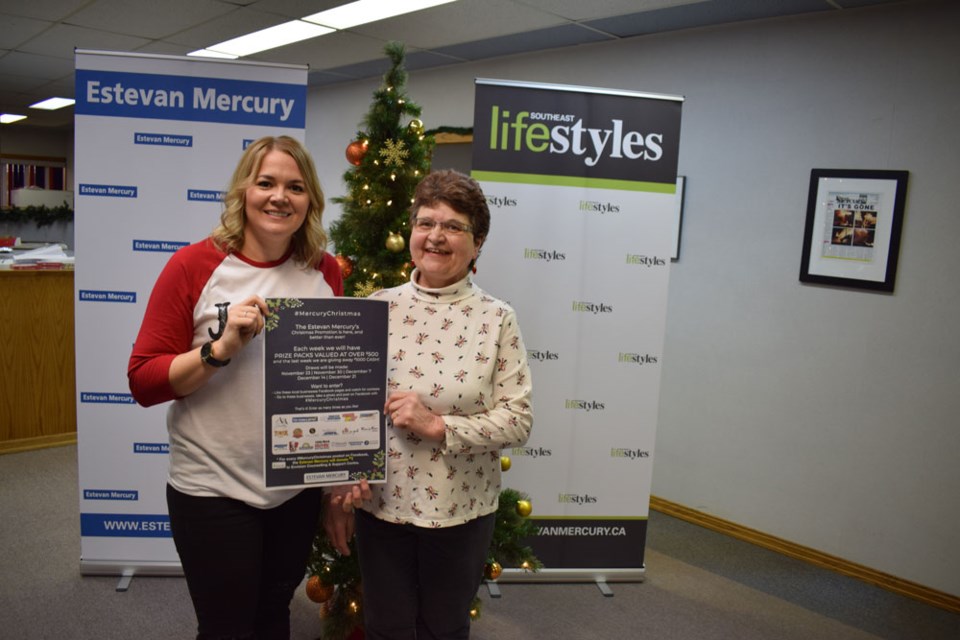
{"x": 598, "y": 576}
{"x": 129, "y": 569}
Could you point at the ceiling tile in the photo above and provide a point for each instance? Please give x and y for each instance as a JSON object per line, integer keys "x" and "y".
{"x": 17, "y": 30}
{"x": 43, "y": 9}
{"x": 148, "y": 18}
{"x": 61, "y": 40}
{"x": 40, "y": 67}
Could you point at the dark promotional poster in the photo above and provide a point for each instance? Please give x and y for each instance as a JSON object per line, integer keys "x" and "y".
{"x": 325, "y": 377}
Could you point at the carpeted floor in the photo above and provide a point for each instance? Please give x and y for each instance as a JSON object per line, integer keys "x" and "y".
{"x": 700, "y": 585}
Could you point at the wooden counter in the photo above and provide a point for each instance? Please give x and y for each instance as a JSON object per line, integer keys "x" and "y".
{"x": 38, "y": 406}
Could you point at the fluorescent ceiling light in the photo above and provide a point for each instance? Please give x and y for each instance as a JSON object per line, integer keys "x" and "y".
{"x": 206, "y": 53}
{"x": 7, "y": 118}
{"x": 364, "y": 11}
{"x": 270, "y": 38}
{"x": 52, "y": 104}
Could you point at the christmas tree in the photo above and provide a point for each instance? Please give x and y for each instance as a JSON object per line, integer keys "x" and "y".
{"x": 390, "y": 155}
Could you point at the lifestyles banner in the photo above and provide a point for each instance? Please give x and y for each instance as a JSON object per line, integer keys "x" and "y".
{"x": 156, "y": 141}
{"x": 580, "y": 183}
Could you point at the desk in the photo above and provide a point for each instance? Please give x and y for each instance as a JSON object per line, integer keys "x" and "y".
{"x": 38, "y": 398}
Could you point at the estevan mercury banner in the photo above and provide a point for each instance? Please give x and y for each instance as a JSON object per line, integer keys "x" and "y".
{"x": 156, "y": 140}
{"x": 580, "y": 182}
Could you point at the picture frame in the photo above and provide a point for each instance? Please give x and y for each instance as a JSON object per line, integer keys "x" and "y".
{"x": 677, "y": 217}
{"x": 853, "y": 226}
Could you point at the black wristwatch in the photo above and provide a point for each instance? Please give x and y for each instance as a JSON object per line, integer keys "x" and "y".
{"x": 206, "y": 354}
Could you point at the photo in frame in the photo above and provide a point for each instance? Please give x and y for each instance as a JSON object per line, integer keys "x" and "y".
{"x": 852, "y": 232}
{"x": 677, "y": 217}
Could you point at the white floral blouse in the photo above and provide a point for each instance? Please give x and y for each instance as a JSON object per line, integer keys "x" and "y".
{"x": 461, "y": 351}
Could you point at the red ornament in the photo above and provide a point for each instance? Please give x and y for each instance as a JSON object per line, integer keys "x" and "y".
{"x": 346, "y": 265}
{"x": 355, "y": 152}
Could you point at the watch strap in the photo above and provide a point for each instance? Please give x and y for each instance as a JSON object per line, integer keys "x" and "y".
{"x": 206, "y": 355}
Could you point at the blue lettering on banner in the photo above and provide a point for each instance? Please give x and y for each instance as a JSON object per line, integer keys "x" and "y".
{"x": 106, "y": 398}
{"x": 162, "y": 139}
{"x": 110, "y": 494}
{"x": 200, "y": 195}
{"x": 87, "y": 295}
{"x": 121, "y": 525}
{"x": 158, "y": 245}
{"x": 151, "y": 447}
{"x": 165, "y": 97}
{"x": 108, "y": 190}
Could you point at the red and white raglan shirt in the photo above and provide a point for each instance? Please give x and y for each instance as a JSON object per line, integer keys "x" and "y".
{"x": 216, "y": 439}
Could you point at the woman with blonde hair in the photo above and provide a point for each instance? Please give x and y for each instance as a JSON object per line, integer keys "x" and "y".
{"x": 243, "y": 548}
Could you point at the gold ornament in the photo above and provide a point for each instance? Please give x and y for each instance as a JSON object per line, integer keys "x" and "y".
{"x": 317, "y": 591}
{"x": 492, "y": 570}
{"x": 366, "y": 289}
{"x": 524, "y": 508}
{"x": 395, "y": 242}
{"x": 394, "y": 152}
{"x": 505, "y": 463}
{"x": 526, "y": 566}
{"x": 416, "y": 126}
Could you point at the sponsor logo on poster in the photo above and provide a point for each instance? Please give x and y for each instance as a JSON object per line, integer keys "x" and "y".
{"x": 162, "y": 246}
{"x": 542, "y": 355}
{"x": 107, "y": 398}
{"x": 637, "y": 358}
{"x": 532, "y": 452}
{"x": 108, "y": 190}
{"x": 151, "y": 447}
{"x": 580, "y": 306}
{"x": 162, "y": 139}
{"x": 599, "y": 207}
{"x": 500, "y": 202}
{"x": 576, "y": 498}
{"x": 545, "y": 255}
{"x": 632, "y": 454}
{"x": 110, "y": 494}
{"x": 128, "y": 297}
{"x": 584, "y": 405}
{"x": 647, "y": 261}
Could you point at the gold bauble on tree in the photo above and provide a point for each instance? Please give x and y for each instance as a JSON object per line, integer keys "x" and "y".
{"x": 524, "y": 508}
{"x": 505, "y": 463}
{"x": 492, "y": 570}
{"x": 395, "y": 242}
{"x": 355, "y": 152}
{"x": 317, "y": 591}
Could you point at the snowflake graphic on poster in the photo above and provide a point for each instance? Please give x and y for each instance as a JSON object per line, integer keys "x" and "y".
{"x": 394, "y": 152}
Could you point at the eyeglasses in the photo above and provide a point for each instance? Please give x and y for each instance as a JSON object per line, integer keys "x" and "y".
{"x": 449, "y": 227}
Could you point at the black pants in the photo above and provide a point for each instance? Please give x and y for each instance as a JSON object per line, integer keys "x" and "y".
{"x": 419, "y": 582}
{"x": 243, "y": 564}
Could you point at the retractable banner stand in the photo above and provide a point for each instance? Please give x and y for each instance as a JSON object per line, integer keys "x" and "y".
{"x": 580, "y": 183}
{"x": 157, "y": 139}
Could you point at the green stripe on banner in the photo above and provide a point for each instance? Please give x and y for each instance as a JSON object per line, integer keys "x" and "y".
{"x": 574, "y": 181}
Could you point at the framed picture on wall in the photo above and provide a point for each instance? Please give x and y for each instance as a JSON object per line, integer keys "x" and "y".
{"x": 852, "y": 233}
{"x": 677, "y": 217}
